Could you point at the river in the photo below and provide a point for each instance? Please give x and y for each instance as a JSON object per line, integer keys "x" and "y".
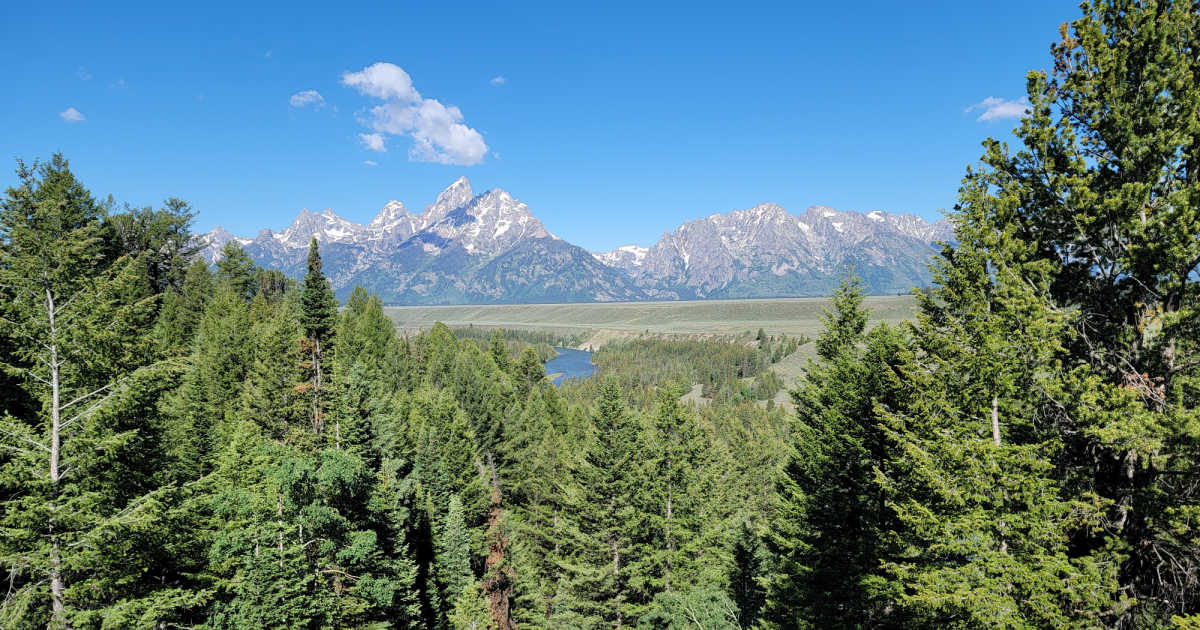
{"x": 570, "y": 363}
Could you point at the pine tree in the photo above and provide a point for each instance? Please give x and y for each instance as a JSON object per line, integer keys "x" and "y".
{"x": 319, "y": 316}
{"x": 536, "y": 476}
{"x": 1070, "y": 305}
{"x": 212, "y": 387}
{"x": 987, "y": 531}
{"x": 843, "y": 323}
{"x": 272, "y": 370}
{"x": 668, "y": 552}
{"x": 528, "y": 371}
{"x": 161, "y": 238}
{"x": 498, "y": 350}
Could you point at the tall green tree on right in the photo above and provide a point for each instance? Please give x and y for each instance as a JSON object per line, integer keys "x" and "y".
{"x": 1051, "y": 472}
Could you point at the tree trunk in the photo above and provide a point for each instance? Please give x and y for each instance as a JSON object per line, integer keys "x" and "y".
{"x": 670, "y": 543}
{"x": 498, "y": 577}
{"x": 616, "y": 555}
{"x": 317, "y": 420}
{"x": 57, "y": 585}
{"x": 279, "y": 523}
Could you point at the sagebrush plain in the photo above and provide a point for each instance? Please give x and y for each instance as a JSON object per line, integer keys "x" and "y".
{"x": 606, "y": 321}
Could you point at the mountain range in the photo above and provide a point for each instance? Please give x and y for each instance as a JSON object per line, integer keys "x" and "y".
{"x": 489, "y": 248}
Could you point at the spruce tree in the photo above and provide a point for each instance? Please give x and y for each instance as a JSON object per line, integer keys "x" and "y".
{"x": 668, "y": 551}
{"x": 528, "y": 371}
{"x": 182, "y": 309}
{"x": 454, "y": 554}
{"x": 72, "y": 470}
{"x": 600, "y": 512}
{"x": 236, "y": 270}
{"x": 830, "y": 529}
{"x": 221, "y": 354}
{"x": 536, "y": 479}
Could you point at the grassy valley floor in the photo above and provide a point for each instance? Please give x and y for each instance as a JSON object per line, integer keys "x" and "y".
{"x": 604, "y": 322}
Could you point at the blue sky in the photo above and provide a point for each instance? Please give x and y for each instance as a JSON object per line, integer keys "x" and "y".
{"x": 614, "y": 122}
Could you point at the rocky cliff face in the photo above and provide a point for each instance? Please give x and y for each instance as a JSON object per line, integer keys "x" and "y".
{"x": 767, "y": 252}
{"x": 463, "y": 248}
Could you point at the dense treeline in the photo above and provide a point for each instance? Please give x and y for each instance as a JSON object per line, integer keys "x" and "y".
{"x": 543, "y": 343}
{"x": 220, "y": 447}
{"x": 1025, "y": 453}
{"x": 186, "y": 446}
{"x": 711, "y": 362}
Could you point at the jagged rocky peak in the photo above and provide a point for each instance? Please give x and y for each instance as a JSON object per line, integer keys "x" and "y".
{"x": 762, "y": 212}
{"x": 213, "y": 241}
{"x": 325, "y": 226}
{"x": 490, "y": 223}
{"x": 219, "y": 236}
{"x": 392, "y": 212}
{"x": 490, "y": 247}
{"x": 497, "y": 201}
{"x": 456, "y": 196}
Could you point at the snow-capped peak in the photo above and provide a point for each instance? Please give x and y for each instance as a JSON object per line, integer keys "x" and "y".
{"x": 624, "y": 256}
{"x": 489, "y": 224}
{"x": 326, "y": 226}
{"x": 392, "y": 212}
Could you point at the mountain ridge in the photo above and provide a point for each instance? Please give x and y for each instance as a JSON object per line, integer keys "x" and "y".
{"x": 490, "y": 248}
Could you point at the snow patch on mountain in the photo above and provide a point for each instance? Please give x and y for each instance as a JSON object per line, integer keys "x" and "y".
{"x": 465, "y": 248}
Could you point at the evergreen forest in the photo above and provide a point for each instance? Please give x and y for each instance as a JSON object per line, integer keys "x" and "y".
{"x": 196, "y": 446}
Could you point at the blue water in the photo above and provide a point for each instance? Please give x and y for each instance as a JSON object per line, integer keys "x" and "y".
{"x": 571, "y": 364}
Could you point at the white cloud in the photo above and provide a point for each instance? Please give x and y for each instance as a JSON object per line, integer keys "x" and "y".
{"x": 498, "y": 81}
{"x": 372, "y": 141}
{"x": 370, "y": 163}
{"x": 307, "y": 97}
{"x": 998, "y": 108}
{"x": 384, "y": 81}
{"x": 72, "y": 115}
{"x": 83, "y": 74}
{"x": 438, "y": 132}
{"x": 119, "y": 83}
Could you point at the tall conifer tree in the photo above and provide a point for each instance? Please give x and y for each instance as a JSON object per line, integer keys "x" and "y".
{"x": 319, "y": 316}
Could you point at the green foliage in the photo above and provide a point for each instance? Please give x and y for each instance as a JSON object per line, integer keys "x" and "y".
{"x": 162, "y": 238}
{"x": 845, "y": 323}
{"x": 599, "y": 510}
{"x": 184, "y": 448}
{"x": 696, "y": 608}
{"x": 182, "y": 309}
{"x": 318, "y": 305}
{"x": 714, "y": 363}
{"x": 831, "y": 522}
{"x": 318, "y": 315}
{"x": 80, "y": 466}
{"x": 454, "y": 553}
{"x": 236, "y": 271}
